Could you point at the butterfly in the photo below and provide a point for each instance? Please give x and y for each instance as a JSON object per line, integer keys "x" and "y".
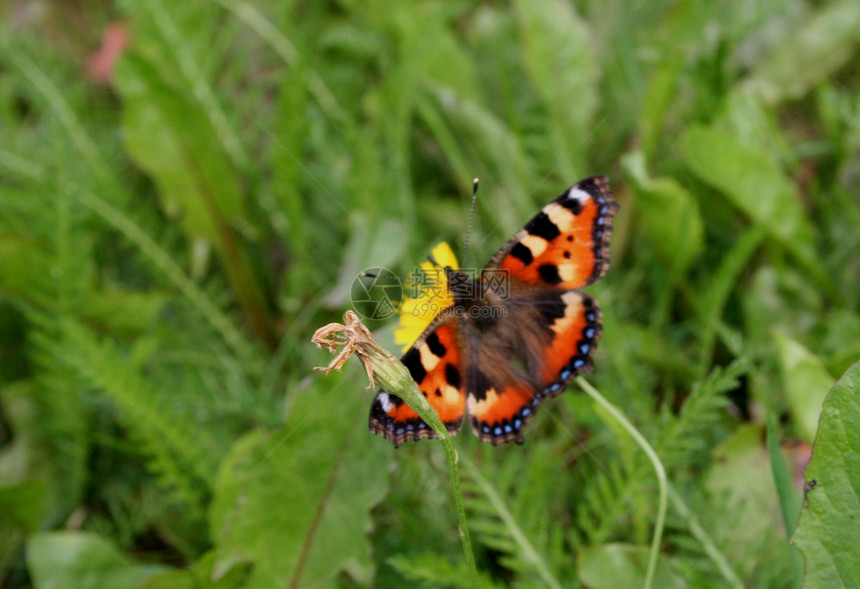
{"x": 516, "y": 333}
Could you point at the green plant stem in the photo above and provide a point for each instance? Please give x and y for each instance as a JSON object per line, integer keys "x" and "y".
{"x": 202, "y": 91}
{"x": 396, "y": 379}
{"x": 788, "y": 500}
{"x": 454, "y": 472}
{"x": 658, "y": 469}
{"x": 67, "y": 116}
{"x": 528, "y": 550}
{"x": 705, "y": 540}
{"x": 162, "y": 260}
{"x": 258, "y": 23}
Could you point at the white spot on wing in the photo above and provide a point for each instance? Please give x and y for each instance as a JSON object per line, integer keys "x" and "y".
{"x": 572, "y": 310}
{"x": 537, "y": 245}
{"x": 479, "y": 408}
{"x": 451, "y": 395}
{"x": 429, "y": 360}
{"x": 560, "y": 216}
{"x": 577, "y": 194}
{"x": 385, "y": 401}
{"x": 567, "y": 271}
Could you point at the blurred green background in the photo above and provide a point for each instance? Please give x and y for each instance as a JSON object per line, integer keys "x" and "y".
{"x": 188, "y": 190}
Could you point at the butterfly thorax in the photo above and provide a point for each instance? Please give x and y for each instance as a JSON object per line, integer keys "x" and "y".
{"x": 474, "y": 298}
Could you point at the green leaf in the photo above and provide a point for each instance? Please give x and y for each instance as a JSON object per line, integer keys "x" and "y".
{"x": 506, "y": 535}
{"x": 822, "y": 45}
{"x": 608, "y": 566}
{"x": 841, "y": 346}
{"x": 48, "y": 445}
{"x": 486, "y": 142}
{"x": 829, "y": 530}
{"x": 369, "y": 246}
{"x": 124, "y": 312}
{"x": 170, "y": 137}
{"x": 198, "y": 575}
{"x": 779, "y": 298}
{"x": 22, "y": 506}
{"x": 753, "y": 122}
{"x": 172, "y": 141}
{"x": 180, "y": 451}
{"x": 430, "y": 51}
{"x": 786, "y": 488}
{"x": 754, "y": 183}
{"x": 559, "y": 57}
{"x": 669, "y": 213}
{"x": 58, "y": 560}
{"x": 24, "y": 266}
{"x": 806, "y": 383}
{"x": 713, "y": 298}
{"x": 743, "y": 498}
{"x": 660, "y": 93}
{"x": 434, "y": 570}
{"x": 22, "y": 263}
{"x": 296, "y": 503}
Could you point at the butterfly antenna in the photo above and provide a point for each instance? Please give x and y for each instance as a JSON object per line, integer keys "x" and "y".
{"x": 366, "y": 274}
{"x": 471, "y": 219}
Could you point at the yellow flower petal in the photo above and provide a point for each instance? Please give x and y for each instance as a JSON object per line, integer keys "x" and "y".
{"x": 442, "y": 253}
{"x": 433, "y": 296}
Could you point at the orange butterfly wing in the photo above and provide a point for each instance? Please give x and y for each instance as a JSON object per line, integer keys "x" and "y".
{"x": 564, "y": 247}
{"x": 434, "y": 363}
{"x": 554, "y": 340}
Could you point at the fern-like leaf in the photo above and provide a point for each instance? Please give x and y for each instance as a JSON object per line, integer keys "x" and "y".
{"x": 681, "y": 439}
{"x": 498, "y": 527}
{"x": 433, "y": 570}
{"x": 177, "y": 450}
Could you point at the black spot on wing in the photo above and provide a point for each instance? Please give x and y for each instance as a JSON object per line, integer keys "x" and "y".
{"x": 452, "y": 376}
{"x": 412, "y": 361}
{"x": 551, "y": 308}
{"x": 479, "y": 384}
{"x": 522, "y": 253}
{"x": 435, "y": 345}
{"x": 543, "y": 227}
{"x": 593, "y": 185}
{"x": 549, "y": 274}
{"x": 574, "y": 205}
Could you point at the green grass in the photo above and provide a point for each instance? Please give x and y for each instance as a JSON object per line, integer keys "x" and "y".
{"x": 170, "y": 241}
